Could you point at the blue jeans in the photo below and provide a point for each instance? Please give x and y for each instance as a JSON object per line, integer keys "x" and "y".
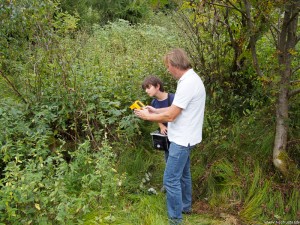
{"x": 178, "y": 182}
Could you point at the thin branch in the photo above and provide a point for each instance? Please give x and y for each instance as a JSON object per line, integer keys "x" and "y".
{"x": 296, "y": 69}
{"x": 294, "y": 92}
{"x": 275, "y": 28}
{"x": 294, "y": 14}
{"x": 293, "y": 142}
{"x": 298, "y": 39}
{"x": 225, "y": 6}
{"x": 190, "y": 32}
{"x": 232, "y": 6}
{"x": 253, "y": 38}
{"x": 293, "y": 82}
{"x": 13, "y": 87}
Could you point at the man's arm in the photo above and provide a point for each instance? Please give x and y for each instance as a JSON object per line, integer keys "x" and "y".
{"x": 151, "y": 109}
{"x": 162, "y": 115}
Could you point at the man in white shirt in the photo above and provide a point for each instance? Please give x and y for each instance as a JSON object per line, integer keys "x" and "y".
{"x": 185, "y": 117}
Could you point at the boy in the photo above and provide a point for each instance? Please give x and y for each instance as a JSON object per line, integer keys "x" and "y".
{"x": 154, "y": 88}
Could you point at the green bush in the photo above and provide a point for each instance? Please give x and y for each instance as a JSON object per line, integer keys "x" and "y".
{"x": 51, "y": 190}
{"x": 56, "y": 163}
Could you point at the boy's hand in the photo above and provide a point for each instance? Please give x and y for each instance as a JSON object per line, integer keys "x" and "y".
{"x": 163, "y": 130}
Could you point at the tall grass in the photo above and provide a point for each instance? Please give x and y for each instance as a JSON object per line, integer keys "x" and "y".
{"x": 233, "y": 170}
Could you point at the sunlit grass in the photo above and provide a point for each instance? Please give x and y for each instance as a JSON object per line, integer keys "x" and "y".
{"x": 145, "y": 209}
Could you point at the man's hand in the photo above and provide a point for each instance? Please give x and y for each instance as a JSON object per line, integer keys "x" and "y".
{"x": 142, "y": 113}
{"x": 161, "y": 115}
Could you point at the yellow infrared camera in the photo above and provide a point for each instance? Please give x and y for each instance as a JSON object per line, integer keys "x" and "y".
{"x": 137, "y": 105}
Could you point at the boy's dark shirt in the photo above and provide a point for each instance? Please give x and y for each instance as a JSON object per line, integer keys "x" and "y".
{"x": 164, "y": 103}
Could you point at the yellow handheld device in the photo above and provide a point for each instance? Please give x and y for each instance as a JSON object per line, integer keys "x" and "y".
{"x": 137, "y": 105}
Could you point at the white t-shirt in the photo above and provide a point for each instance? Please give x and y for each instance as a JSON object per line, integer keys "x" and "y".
{"x": 190, "y": 96}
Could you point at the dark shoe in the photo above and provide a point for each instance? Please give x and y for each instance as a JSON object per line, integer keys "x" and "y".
{"x": 187, "y": 212}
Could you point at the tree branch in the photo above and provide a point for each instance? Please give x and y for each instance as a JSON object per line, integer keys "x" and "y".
{"x": 293, "y": 82}
{"x": 294, "y": 142}
{"x": 253, "y": 38}
{"x": 236, "y": 8}
{"x": 294, "y": 92}
{"x": 12, "y": 86}
{"x": 230, "y": 6}
{"x": 296, "y": 69}
{"x": 294, "y": 14}
{"x": 225, "y": 6}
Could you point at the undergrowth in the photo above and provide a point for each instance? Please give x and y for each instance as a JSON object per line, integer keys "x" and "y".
{"x": 233, "y": 171}
{"x": 71, "y": 152}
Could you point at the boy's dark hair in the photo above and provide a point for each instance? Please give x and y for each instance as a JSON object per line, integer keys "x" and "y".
{"x": 154, "y": 81}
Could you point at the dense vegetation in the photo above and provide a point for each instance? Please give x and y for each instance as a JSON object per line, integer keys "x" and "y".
{"x": 71, "y": 150}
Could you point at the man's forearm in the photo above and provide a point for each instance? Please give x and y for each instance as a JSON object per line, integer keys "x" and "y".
{"x": 159, "y": 117}
{"x": 162, "y": 110}
{"x": 162, "y": 115}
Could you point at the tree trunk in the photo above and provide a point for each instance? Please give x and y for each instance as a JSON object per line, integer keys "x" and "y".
{"x": 287, "y": 41}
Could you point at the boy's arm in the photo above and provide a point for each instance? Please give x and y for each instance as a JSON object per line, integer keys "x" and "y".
{"x": 163, "y": 128}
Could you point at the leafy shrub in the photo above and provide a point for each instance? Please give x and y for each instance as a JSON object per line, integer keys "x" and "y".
{"x": 100, "y": 79}
{"x": 23, "y": 134}
{"x": 52, "y": 190}
{"x": 56, "y": 164}
{"x": 38, "y": 185}
{"x": 101, "y": 11}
